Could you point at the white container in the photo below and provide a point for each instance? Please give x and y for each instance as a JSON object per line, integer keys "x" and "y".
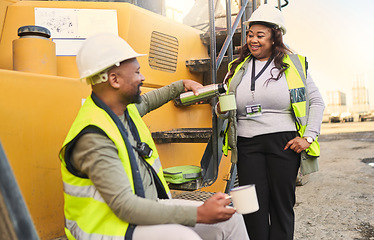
{"x": 244, "y": 199}
{"x": 227, "y": 102}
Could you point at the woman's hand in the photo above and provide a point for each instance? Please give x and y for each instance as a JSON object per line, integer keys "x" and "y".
{"x": 297, "y": 144}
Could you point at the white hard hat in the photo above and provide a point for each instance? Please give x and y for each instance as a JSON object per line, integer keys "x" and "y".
{"x": 102, "y": 51}
{"x": 268, "y": 14}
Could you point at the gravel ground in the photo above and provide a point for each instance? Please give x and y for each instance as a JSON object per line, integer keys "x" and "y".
{"x": 337, "y": 202}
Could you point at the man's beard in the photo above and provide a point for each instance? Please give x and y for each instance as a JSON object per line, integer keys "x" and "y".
{"x": 137, "y": 98}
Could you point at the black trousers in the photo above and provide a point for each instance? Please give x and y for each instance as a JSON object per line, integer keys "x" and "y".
{"x": 263, "y": 162}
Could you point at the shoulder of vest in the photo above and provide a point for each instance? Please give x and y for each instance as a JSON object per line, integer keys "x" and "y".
{"x": 132, "y": 107}
{"x": 133, "y": 111}
{"x": 230, "y": 63}
{"x": 295, "y": 54}
{"x": 71, "y": 144}
{"x": 302, "y": 58}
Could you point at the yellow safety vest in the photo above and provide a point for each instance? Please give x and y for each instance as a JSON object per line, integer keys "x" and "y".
{"x": 87, "y": 216}
{"x": 296, "y": 77}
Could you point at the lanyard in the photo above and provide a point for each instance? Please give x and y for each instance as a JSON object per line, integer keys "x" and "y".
{"x": 159, "y": 186}
{"x": 253, "y": 77}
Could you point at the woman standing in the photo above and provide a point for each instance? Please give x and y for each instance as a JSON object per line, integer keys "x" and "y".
{"x": 276, "y": 124}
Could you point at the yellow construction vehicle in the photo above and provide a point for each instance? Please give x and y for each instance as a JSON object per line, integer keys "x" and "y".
{"x": 40, "y": 94}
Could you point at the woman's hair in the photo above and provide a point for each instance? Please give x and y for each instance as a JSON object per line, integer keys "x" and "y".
{"x": 279, "y": 50}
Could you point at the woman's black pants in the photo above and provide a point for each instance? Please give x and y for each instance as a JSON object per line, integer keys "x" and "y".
{"x": 263, "y": 162}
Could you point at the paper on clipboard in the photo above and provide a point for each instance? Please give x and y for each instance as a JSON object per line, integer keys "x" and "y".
{"x": 69, "y": 27}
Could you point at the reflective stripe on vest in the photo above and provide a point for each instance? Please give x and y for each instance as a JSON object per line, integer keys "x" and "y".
{"x": 82, "y": 191}
{"x": 298, "y": 96}
{"x": 90, "y": 190}
{"x": 75, "y": 230}
{"x": 84, "y": 206}
{"x": 297, "y": 70}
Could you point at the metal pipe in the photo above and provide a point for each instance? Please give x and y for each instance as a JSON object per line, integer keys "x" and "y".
{"x": 214, "y": 145}
{"x": 212, "y": 34}
{"x": 243, "y": 35}
{"x": 232, "y": 178}
{"x": 229, "y": 31}
{"x": 254, "y": 5}
{"x": 228, "y": 39}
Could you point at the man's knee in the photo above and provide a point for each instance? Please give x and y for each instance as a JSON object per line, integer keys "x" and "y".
{"x": 210, "y": 231}
{"x": 232, "y": 229}
{"x": 165, "y": 232}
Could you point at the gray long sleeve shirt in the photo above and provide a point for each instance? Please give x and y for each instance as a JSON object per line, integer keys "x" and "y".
{"x": 97, "y": 157}
{"x": 274, "y": 98}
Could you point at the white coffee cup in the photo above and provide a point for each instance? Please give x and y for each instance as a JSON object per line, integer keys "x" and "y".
{"x": 227, "y": 102}
{"x": 244, "y": 199}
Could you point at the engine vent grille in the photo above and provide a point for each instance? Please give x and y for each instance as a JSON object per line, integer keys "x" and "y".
{"x": 163, "y": 52}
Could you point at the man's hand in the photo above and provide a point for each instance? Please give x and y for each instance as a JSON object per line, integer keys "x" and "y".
{"x": 297, "y": 144}
{"x": 190, "y": 85}
{"x": 214, "y": 209}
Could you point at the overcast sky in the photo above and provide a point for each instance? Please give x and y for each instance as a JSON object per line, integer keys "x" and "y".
{"x": 337, "y": 36}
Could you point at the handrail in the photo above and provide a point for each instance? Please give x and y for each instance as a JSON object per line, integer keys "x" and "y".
{"x": 229, "y": 31}
{"x": 211, "y": 154}
{"x": 228, "y": 39}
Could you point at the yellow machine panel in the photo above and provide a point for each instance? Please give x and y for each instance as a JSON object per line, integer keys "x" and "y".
{"x": 36, "y": 111}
